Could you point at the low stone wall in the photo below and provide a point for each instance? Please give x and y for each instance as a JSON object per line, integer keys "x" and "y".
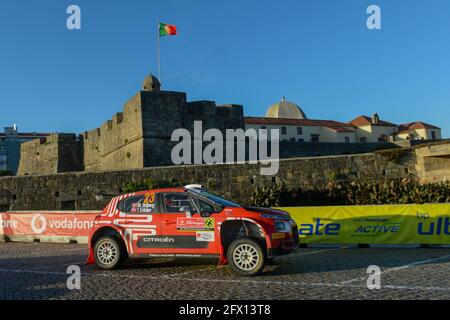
{"x": 77, "y": 191}
{"x": 433, "y": 162}
{"x": 295, "y": 149}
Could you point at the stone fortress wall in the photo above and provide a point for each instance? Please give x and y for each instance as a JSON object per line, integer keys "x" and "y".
{"x": 53, "y": 154}
{"x": 137, "y": 137}
{"x": 78, "y": 190}
{"x": 108, "y": 146}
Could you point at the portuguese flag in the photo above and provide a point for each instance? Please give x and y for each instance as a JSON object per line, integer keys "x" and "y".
{"x": 167, "y": 30}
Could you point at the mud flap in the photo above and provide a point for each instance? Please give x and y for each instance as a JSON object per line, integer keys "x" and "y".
{"x": 90, "y": 259}
{"x": 223, "y": 257}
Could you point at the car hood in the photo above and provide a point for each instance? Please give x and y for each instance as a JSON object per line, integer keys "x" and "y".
{"x": 271, "y": 211}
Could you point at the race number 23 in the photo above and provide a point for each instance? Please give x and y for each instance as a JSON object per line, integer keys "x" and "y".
{"x": 149, "y": 198}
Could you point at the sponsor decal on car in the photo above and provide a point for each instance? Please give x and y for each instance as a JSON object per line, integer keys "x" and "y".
{"x": 209, "y": 223}
{"x": 278, "y": 235}
{"x": 171, "y": 242}
{"x": 196, "y": 224}
{"x": 142, "y": 208}
{"x": 205, "y": 236}
{"x": 158, "y": 239}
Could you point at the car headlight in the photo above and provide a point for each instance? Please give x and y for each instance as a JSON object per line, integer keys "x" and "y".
{"x": 282, "y": 226}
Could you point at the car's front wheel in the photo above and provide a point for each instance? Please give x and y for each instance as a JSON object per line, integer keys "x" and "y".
{"x": 109, "y": 252}
{"x": 246, "y": 257}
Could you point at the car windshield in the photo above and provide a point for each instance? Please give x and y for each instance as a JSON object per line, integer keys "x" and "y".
{"x": 215, "y": 198}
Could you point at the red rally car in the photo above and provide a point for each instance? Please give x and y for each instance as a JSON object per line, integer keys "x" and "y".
{"x": 190, "y": 222}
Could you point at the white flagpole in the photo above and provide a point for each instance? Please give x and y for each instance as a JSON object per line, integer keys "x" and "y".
{"x": 159, "y": 54}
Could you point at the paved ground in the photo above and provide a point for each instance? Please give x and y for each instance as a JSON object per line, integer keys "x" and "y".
{"x": 38, "y": 271}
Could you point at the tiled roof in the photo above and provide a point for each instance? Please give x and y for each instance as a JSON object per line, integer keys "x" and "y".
{"x": 334, "y": 125}
{"x": 365, "y": 120}
{"x": 406, "y": 127}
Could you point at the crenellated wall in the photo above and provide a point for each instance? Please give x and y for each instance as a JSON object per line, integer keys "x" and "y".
{"x": 53, "y": 154}
{"x": 137, "y": 137}
{"x": 117, "y": 144}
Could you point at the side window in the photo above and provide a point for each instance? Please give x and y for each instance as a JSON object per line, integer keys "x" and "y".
{"x": 206, "y": 207}
{"x": 144, "y": 203}
{"x": 179, "y": 203}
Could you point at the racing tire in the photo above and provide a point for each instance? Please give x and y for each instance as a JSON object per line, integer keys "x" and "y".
{"x": 246, "y": 257}
{"x": 109, "y": 252}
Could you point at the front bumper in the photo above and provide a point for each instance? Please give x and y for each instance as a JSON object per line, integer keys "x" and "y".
{"x": 285, "y": 246}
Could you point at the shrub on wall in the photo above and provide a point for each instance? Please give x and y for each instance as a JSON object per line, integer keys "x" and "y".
{"x": 399, "y": 191}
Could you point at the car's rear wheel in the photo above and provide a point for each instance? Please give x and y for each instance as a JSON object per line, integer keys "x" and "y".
{"x": 246, "y": 257}
{"x": 109, "y": 252}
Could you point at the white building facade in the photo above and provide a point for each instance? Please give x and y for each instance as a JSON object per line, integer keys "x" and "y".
{"x": 293, "y": 124}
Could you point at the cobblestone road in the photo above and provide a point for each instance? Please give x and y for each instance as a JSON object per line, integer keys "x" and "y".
{"x": 38, "y": 271}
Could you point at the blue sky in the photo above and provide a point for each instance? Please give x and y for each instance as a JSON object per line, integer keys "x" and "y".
{"x": 318, "y": 53}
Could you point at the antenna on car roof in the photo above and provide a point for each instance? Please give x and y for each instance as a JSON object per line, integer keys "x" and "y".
{"x": 101, "y": 197}
{"x": 194, "y": 186}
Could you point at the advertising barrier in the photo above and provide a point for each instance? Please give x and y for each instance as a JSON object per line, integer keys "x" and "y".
{"x": 46, "y": 225}
{"x": 2, "y": 235}
{"x": 384, "y": 224}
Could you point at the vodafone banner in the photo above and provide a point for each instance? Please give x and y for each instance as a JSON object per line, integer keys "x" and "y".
{"x": 35, "y": 223}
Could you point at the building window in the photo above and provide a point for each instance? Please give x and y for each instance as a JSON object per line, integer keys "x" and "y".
{"x": 292, "y": 139}
{"x": 382, "y": 138}
{"x": 433, "y": 135}
{"x": 299, "y": 131}
{"x": 283, "y": 130}
{"x": 347, "y": 140}
{"x": 301, "y": 139}
{"x": 363, "y": 140}
{"x": 314, "y": 138}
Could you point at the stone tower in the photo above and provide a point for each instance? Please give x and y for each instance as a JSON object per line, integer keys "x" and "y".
{"x": 151, "y": 83}
{"x": 137, "y": 137}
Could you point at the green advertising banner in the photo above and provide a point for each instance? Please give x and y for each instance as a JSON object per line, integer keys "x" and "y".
{"x": 386, "y": 224}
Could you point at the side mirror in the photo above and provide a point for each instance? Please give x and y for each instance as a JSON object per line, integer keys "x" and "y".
{"x": 205, "y": 214}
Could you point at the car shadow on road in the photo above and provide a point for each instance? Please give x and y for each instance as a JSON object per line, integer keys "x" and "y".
{"x": 160, "y": 263}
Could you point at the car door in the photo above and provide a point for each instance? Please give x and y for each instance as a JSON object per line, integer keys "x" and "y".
{"x": 141, "y": 220}
{"x": 187, "y": 232}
